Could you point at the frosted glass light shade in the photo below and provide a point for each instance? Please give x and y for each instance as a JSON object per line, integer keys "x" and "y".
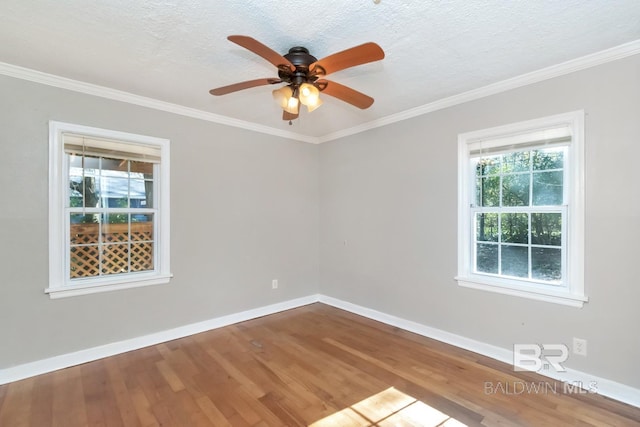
{"x": 310, "y": 96}
{"x": 292, "y": 105}
{"x": 282, "y": 96}
{"x": 318, "y": 103}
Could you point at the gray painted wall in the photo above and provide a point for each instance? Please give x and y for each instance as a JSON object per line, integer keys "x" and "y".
{"x": 244, "y": 211}
{"x": 391, "y": 194}
{"x": 369, "y": 219}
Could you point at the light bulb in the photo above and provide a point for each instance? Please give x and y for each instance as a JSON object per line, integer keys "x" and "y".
{"x": 282, "y": 96}
{"x": 292, "y": 106}
{"x": 309, "y": 95}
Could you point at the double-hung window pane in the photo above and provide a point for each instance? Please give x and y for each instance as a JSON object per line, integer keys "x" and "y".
{"x": 111, "y": 215}
{"x": 519, "y": 214}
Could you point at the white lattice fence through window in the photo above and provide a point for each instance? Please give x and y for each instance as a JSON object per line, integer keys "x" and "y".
{"x": 118, "y": 251}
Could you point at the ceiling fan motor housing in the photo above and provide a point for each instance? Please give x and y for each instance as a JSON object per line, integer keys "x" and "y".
{"x": 299, "y": 56}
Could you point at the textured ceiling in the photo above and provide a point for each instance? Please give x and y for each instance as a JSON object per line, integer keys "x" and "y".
{"x": 175, "y": 51}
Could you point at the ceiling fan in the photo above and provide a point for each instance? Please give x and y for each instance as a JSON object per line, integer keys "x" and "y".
{"x": 304, "y": 75}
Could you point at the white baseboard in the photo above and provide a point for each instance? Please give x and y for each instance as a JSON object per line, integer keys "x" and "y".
{"x": 605, "y": 387}
{"x": 43, "y": 366}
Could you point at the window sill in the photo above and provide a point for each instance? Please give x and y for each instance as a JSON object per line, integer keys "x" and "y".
{"x": 557, "y": 296}
{"x": 106, "y": 286}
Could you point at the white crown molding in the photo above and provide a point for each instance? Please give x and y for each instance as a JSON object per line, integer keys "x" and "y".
{"x": 143, "y": 101}
{"x": 598, "y": 58}
{"x": 588, "y": 61}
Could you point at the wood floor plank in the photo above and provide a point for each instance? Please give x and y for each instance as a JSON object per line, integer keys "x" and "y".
{"x": 214, "y": 415}
{"x": 284, "y": 413}
{"x": 42, "y": 401}
{"x": 16, "y": 409}
{"x": 122, "y": 394}
{"x": 143, "y": 408}
{"x": 3, "y": 393}
{"x": 99, "y": 398}
{"x": 68, "y": 407}
{"x": 245, "y": 405}
{"x": 238, "y": 375}
{"x": 170, "y": 376}
{"x": 315, "y": 365}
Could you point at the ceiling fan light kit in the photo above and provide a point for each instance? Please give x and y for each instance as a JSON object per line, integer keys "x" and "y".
{"x": 282, "y": 95}
{"x": 293, "y": 105}
{"x": 309, "y": 96}
{"x": 304, "y": 75}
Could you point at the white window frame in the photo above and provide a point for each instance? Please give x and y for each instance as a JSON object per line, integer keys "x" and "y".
{"x": 60, "y": 284}
{"x": 571, "y": 291}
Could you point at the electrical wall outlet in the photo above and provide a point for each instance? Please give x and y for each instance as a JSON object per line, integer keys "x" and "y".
{"x": 274, "y": 284}
{"x": 580, "y": 346}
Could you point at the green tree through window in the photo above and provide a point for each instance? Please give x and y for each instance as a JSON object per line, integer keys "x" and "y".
{"x": 519, "y": 214}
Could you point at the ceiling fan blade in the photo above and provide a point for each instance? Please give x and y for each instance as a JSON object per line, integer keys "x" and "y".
{"x": 261, "y": 50}
{"x": 288, "y": 116}
{"x": 242, "y": 85}
{"x": 345, "y": 94}
{"x": 357, "y": 55}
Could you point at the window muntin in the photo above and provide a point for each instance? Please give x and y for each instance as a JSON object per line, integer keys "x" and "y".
{"x": 521, "y": 209}
{"x": 109, "y": 210}
{"x": 519, "y": 214}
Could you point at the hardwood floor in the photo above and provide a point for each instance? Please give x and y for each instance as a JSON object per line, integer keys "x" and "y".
{"x": 315, "y": 365}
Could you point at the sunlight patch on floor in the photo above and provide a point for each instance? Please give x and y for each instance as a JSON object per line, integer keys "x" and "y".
{"x": 389, "y": 408}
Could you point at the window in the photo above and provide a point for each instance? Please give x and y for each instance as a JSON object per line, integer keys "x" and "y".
{"x": 521, "y": 209}
{"x": 108, "y": 210}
